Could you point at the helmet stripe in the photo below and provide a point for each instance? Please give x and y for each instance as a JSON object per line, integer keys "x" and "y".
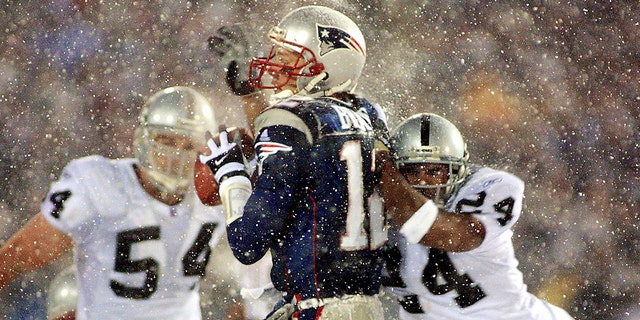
{"x": 425, "y": 128}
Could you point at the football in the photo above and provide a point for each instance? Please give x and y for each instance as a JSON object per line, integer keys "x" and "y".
{"x": 205, "y": 184}
{"x": 244, "y": 137}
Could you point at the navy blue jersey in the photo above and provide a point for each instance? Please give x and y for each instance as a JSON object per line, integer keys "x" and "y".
{"x": 313, "y": 203}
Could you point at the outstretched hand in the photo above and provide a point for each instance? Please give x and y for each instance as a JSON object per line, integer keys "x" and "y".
{"x": 230, "y": 44}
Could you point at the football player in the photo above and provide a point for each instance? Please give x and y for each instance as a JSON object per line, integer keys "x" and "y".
{"x": 140, "y": 236}
{"x": 311, "y": 203}
{"x": 483, "y": 283}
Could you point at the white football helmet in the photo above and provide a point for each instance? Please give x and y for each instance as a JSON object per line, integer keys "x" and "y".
{"x": 331, "y": 52}
{"x": 180, "y": 111}
{"x": 62, "y": 295}
{"x": 429, "y": 138}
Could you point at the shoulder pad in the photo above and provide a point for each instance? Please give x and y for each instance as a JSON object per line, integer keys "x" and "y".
{"x": 285, "y": 116}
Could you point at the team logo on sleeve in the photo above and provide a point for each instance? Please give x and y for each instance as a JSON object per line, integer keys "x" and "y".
{"x": 332, "y": 38}
{"x": 265, "y": 149}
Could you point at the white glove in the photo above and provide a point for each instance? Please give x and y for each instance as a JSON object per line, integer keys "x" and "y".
{"x": 225, "y": 160}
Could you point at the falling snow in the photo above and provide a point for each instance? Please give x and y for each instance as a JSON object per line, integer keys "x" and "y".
{"x": 545, "y": 89}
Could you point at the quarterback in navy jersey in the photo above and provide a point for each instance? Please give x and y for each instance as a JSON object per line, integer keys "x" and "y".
{"x": 313, "y": 204}
{"x": 330, "y": 245}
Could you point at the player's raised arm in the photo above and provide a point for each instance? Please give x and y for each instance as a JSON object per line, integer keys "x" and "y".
{"x": 230, "y": 45}
{"x": 35, "y": 245}
{"x": 427, "y": 224}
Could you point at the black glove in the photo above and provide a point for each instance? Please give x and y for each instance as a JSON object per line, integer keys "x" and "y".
{"x": 230, "y": 44}
{"x": 239, "y": 85}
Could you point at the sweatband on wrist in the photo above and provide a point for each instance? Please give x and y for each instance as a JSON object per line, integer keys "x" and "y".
{"x": 226, "y": 168}
{"x": 420, "y": 222}
{"x": 234, "y": 193}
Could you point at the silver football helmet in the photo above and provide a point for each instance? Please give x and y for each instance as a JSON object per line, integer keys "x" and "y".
{"x": 429, "y": 138}
{"x": 331, "y": 52}
{"x": 174, "y": 111}
{"x": 62, "y": 294}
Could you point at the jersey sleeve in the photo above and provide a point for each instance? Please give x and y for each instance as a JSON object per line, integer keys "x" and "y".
{"x": 279, "y": 149}
{"x": 496, "y": 201}
{"x": 68, "y": 204}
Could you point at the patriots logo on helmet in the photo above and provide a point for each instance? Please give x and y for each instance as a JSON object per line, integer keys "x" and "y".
{"x": 332, "y": 38}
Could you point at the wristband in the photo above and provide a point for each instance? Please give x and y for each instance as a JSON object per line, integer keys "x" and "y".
{"x": 420, "y": 222}
{"x": 228, "y": 168}
{"x": 234, "y": 193}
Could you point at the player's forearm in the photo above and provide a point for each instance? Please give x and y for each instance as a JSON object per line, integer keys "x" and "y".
{"x": 248, "y": 245}
{"x": 444, "y": 230}
{"x": 454, "y": 232}
{"x": 9, "y": 269}
{"x": 400, "y": 199}
{"x": 235, "y": 309}
{"x": 13, "y": 262}
{"x": 251, "y": 235}
{"x": 34, "y": 246}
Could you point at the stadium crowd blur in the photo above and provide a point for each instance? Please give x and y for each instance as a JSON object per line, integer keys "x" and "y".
{"x": 548, "y": 90}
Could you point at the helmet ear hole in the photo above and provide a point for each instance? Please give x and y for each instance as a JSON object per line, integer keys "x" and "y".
{"x": 317, "y": 69}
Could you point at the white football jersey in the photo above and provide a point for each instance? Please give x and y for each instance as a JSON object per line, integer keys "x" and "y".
{"x": 136, "y": 257}
{"x": 484, "y": 283}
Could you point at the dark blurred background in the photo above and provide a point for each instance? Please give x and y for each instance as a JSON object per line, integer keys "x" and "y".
{"x": 548, "y": 90}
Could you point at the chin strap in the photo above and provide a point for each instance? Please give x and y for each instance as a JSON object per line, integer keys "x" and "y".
{"x": 307, "y": 90}
{"x": 277, "y": 97}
